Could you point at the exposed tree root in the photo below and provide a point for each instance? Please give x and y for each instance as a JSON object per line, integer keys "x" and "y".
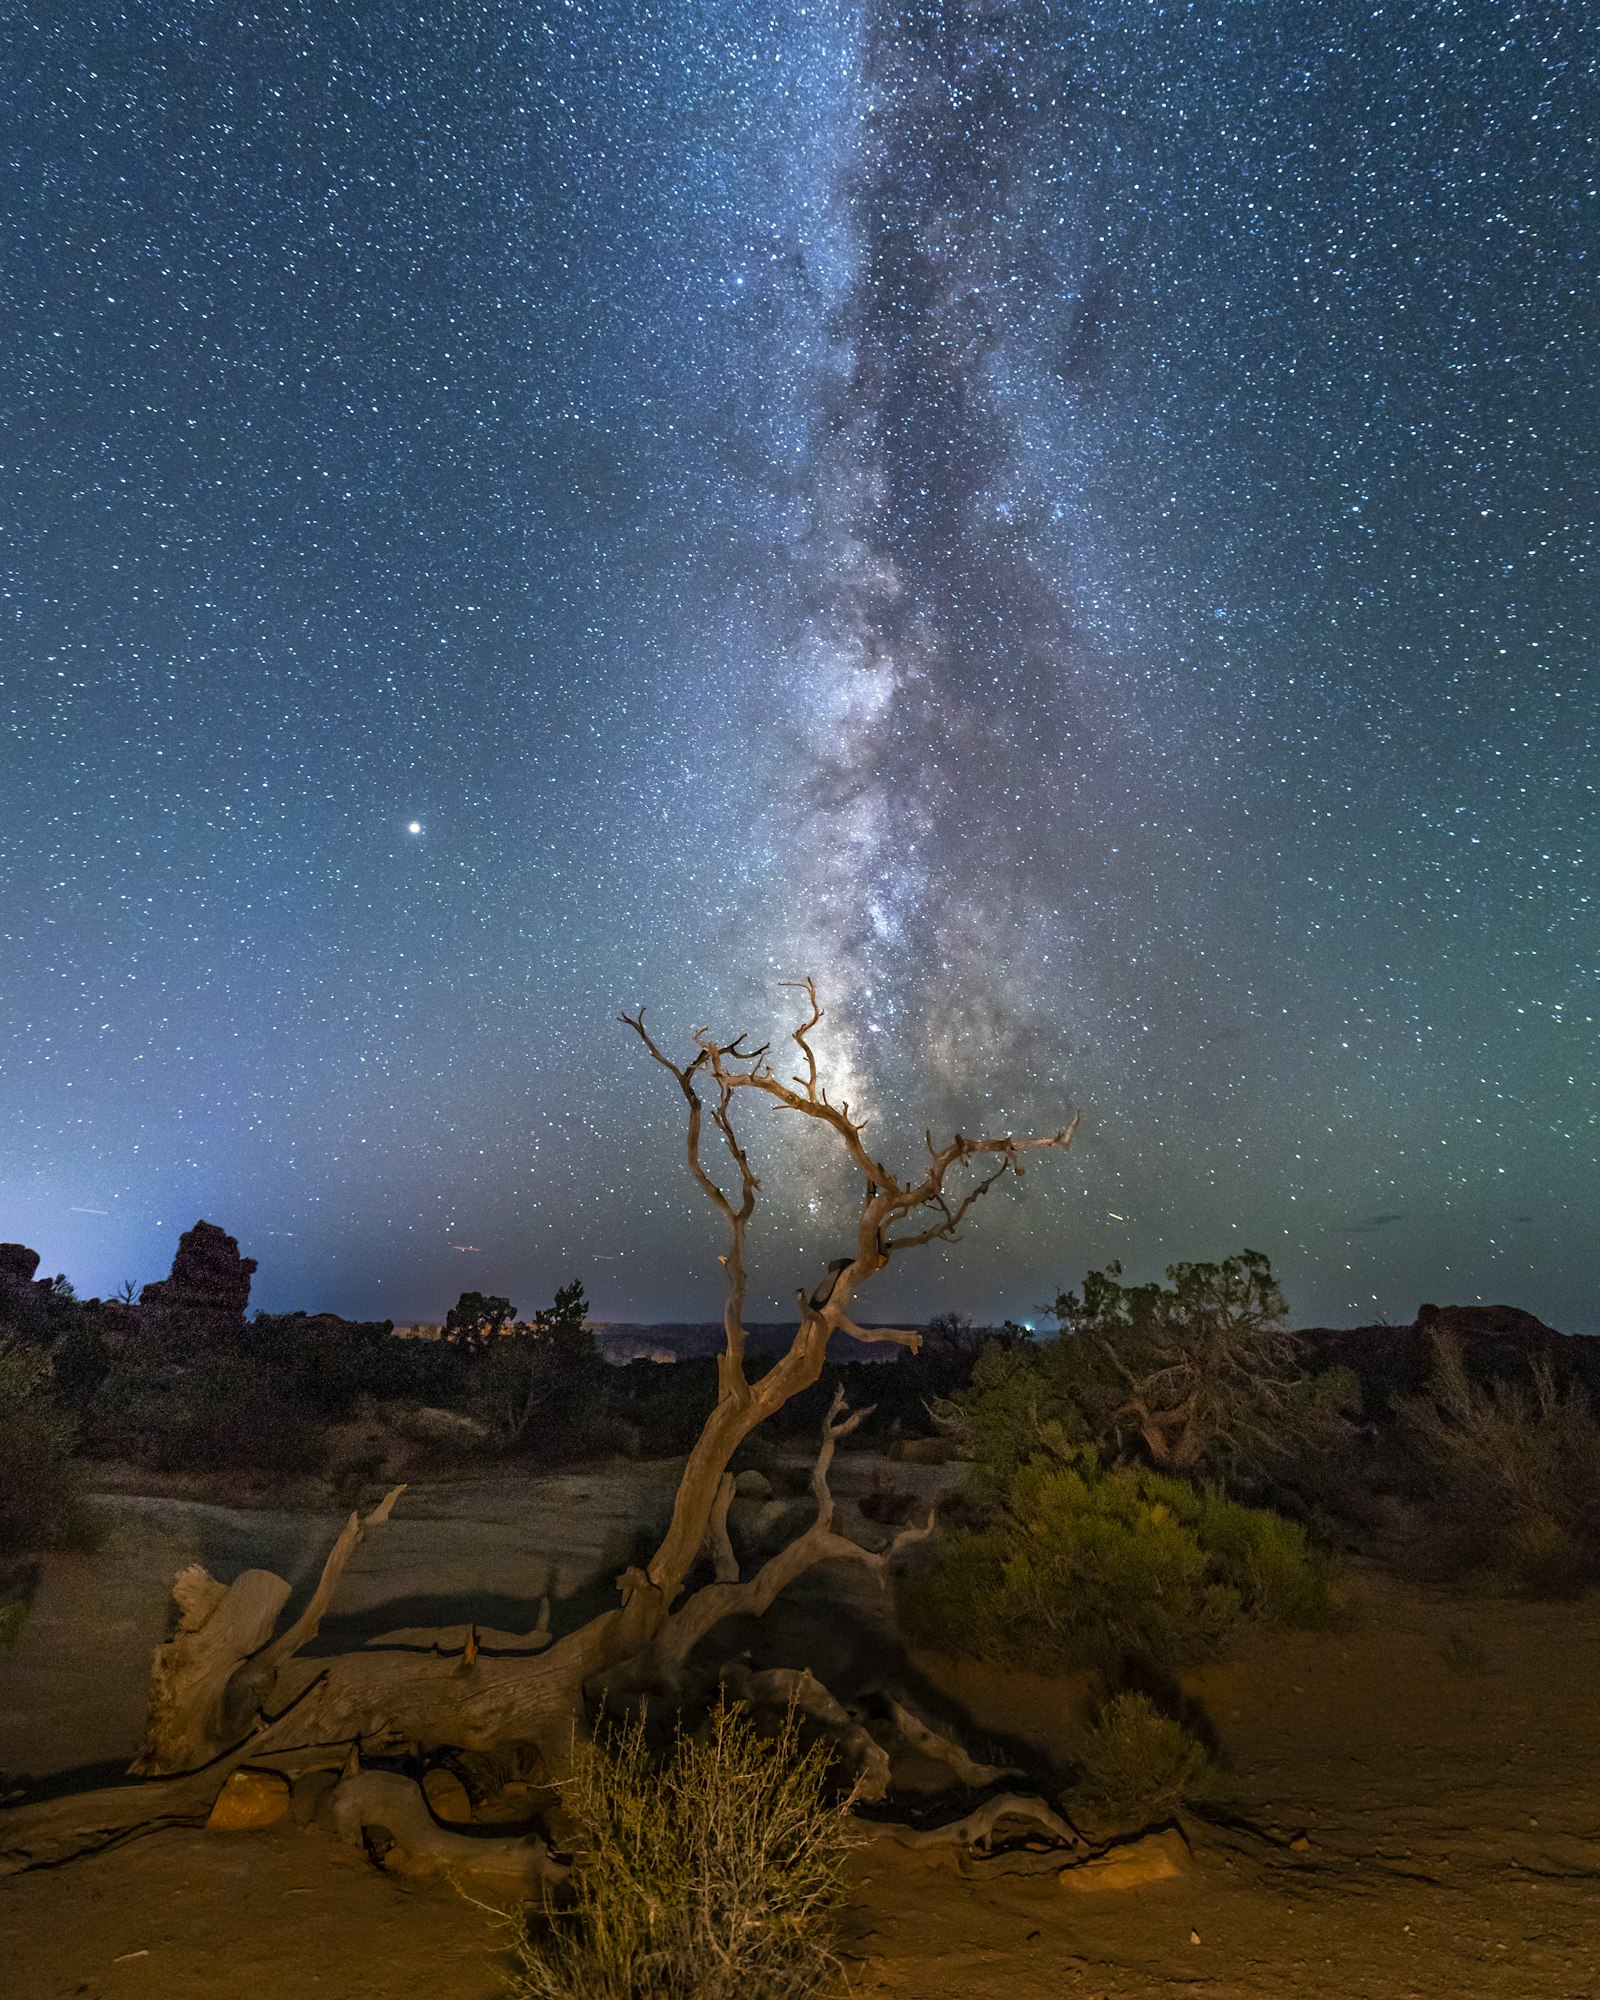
{"x": 1007, "y": 1817}
{"x": 386, "y": 1814}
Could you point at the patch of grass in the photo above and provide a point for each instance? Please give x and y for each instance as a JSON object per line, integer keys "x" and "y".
{"x": 1141, "y": 1765}
{"x": 714, "y": 1874}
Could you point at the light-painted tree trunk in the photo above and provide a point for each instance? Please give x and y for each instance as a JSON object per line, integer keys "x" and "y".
{"x": 226, "y": 1686}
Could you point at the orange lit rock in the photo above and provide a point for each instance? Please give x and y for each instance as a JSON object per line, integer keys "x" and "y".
{"x": 447, "y": 1796}
{"x": 1158, "y": 1857}
{"x": 250, "y": 1799}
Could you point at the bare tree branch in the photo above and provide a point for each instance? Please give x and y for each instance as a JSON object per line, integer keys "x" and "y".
{"x": 725, "y": 1562}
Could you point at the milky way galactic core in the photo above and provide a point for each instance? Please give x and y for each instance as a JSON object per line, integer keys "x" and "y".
{"x": 1071, "y": 524}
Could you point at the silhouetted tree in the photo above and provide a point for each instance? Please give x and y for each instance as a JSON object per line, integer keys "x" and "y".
{"x": 1201, "y": 1370}
{"x": 544, "y": 1364}
{"x": 477, "y": 1317}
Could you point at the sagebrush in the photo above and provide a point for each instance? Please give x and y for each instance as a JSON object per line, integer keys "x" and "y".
{"x": 41, "y": 1481}
{"x": 1140, "y": 1764}
{"x": 714, "y": 1873}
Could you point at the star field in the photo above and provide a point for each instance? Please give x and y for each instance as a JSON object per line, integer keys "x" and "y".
{"x": 1073, "y": 524}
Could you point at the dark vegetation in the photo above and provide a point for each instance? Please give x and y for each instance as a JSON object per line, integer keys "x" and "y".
{"x": 1175, "y": 1462}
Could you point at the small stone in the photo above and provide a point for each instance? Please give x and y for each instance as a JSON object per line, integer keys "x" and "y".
{"x": 1194, "y": 1937}
{"x": 1300, "y": 1844}
{"x": 446, "y": 1795}
{"x": 250, "y": 1799}
{"x": 1158, "y": 1857}
{"x": 752, "y": 1485}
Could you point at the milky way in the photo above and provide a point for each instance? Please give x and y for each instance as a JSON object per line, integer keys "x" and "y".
{"x": 1072, "y": 524}
{"x": 936, "y": 628}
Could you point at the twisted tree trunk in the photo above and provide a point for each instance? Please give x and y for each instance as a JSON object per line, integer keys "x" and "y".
{"x": 228, "y": 1689}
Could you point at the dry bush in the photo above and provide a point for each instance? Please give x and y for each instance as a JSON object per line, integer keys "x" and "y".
{"x": 1515, "y": 1472}
{"x": 1142, "y": 1765}
{"x": 714, "y": 1875}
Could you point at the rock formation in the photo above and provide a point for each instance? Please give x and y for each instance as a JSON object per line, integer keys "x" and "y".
{"x": 208, "y": 1290}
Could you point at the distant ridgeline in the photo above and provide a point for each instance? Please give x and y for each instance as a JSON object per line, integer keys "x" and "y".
{"x": 622, "y": 1341}
{"x": 1497, "y": 1343}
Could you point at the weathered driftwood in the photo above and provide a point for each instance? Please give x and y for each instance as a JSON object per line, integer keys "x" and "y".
{"x": 211, "y": 1679}
{"x": 799, "y": 1689}
{"x": 733, "y": 1595}
{"x": 458, "y": 1640}
{"x": 387, "y": 1814}
{"x": 1009, "y": 1816}
{"x": 44, "y": 1834}
{"x": 944, "y": 1749}
{"x": 57, "y": 1830}
{"x": 227, "y": 1688}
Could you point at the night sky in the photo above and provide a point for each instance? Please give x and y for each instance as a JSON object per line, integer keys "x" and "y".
{"x": 1074, "y": 524}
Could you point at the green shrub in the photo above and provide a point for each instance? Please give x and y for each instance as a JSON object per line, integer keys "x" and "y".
{"x": 1021, "y": 1400}
{"x": 1196, "y": 1377}
{"x": 1078, "y": 1563}
{"x": 41, "y": 1488}
{"x": 1139, "y": 1764}
{"x": 715, "y": 1875}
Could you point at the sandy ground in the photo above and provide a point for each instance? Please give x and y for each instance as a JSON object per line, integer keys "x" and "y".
{"x": 1454, "y": 1816}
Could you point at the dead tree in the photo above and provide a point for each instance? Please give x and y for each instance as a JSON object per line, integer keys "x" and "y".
{"x": 227, "y": 1690}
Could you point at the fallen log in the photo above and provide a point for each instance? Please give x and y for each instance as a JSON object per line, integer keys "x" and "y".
{"x": 1008, "y": 1816}
{"x": 943, "y": 1748}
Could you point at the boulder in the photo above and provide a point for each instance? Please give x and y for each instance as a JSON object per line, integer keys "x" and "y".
{"x": 446, "y": 1795}
{"x": 249, "y": 1800}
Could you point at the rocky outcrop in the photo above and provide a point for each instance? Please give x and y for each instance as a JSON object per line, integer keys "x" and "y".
{"x": 17, "y": 1266}
{"x": 208, "y": 1288}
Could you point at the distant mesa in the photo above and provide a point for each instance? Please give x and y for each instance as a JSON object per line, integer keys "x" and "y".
{"x": 1497, "y": 1342}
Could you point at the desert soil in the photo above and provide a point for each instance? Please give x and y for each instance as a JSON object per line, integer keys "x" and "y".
{"x": 1441, "y": 1755}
